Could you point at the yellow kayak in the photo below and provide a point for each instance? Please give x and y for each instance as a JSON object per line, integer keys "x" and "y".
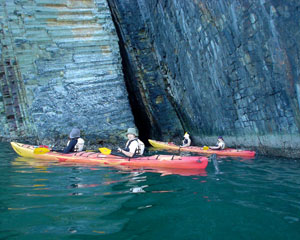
{"x": 226, "y": 152}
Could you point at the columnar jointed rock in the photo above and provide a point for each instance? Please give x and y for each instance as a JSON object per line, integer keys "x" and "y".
{"x": 61, "y": 67}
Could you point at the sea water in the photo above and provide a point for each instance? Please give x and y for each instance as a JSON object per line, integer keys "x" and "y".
{"x": 239, "y": 199}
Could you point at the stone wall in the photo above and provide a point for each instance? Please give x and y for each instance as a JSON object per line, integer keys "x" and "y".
{"x": 60, "y": 67}
{"x": 227, "y": 68}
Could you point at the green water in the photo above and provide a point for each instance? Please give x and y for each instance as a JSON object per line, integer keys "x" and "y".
{"x": 248, "y": 199}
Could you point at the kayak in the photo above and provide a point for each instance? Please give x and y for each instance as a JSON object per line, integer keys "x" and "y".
{"x": 226, "y": 152}
{"x": 96, "y": 158}
{"x": 44, "y": 164}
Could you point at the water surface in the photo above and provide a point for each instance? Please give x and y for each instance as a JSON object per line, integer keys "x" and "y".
{"x": 246, "y": 199}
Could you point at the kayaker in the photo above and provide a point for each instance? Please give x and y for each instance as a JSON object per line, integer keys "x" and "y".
{"x": 186, "y": 140}
{"x": 74, "y": 144}
{"x": 79, "y": 146}
{"x": 220, "y": 144}
{"x": 134, "y": 147}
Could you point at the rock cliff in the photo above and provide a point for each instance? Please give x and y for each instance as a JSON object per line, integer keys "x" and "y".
{"x": 227, "y": 68}
{"x": 208, "y": 67}
{"x": 61, "y": 67}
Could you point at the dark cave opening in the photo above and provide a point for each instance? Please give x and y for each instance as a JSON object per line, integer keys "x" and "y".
{"x": 141, "y": 118}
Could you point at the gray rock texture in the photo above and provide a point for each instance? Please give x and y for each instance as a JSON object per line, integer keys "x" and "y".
{"x": 227, "y": 68}
{"x": 209, "y": 67}
{"x": 61, "y": 67}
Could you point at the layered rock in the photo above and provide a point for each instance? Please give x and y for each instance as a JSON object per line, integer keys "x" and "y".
{"x": 208, "y": 67}
{"x": 61, "y": 67}
{"x": 228, "y": 68}
{"x": 156, "y": 114}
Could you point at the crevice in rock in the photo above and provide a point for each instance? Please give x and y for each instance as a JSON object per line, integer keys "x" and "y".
{"x": 142, "y": 121}
{"x": 11, "y": 87}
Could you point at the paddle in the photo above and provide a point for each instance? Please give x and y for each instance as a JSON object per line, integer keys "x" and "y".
{"x": 105, "y": 151}
{"x": 44, "y": 149}
{"x": 41, "y": 150}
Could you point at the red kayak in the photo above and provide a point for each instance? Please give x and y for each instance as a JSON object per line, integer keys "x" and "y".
{"x": 226, "y": 152}
{"x": 96, "y": 158}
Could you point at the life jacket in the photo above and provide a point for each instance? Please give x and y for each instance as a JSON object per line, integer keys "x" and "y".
{"x": 79, "y": 145}
{"x": 221, "y": 144}
{"x": 140, "y": 147}
{"x": 186, "y": 141}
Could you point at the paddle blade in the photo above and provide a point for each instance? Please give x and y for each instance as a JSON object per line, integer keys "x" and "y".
{"x": 105, "y": 151}
{"x": 41, "y": 150}
{"x": 205, "y": 148}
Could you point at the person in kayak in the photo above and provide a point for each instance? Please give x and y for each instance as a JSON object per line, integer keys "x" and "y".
{"x": 75, "y": 143}
{"x": 186, "y": 140}
{"x": 220, "y": 144}
{"x": 79, "y": 145}
{"x": 134, "y": 147}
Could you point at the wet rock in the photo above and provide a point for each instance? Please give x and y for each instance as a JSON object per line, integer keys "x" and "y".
{"x": 67, "y": 71}
{"x": 228, "y": 68}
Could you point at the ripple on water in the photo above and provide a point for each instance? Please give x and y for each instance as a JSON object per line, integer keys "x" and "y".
{"x": 251, "y": 199}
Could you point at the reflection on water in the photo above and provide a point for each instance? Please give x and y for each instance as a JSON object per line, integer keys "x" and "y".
{"x": 43, "y": 165}
{"x": 252, "y": 199}
{"x": 65, "y": 198}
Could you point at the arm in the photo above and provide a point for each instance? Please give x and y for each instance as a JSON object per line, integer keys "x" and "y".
{"x": 70, "y": 146}
{"x": 215, "y": 147}
{"x": 128, "y": 154}
{"x": 132, "y": 149}
{"x": 218, "y": 147}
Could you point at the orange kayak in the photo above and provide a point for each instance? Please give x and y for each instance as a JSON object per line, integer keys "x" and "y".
{"x": 96, "y": 158}
{"x": 226, "y": 152}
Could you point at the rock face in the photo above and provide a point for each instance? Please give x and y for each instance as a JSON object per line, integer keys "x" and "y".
{"x": 227, "y": 68}
{"x": 61, "y": 67}
{"x": 154, "y": 108}
{"x": 208, "y": 67}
